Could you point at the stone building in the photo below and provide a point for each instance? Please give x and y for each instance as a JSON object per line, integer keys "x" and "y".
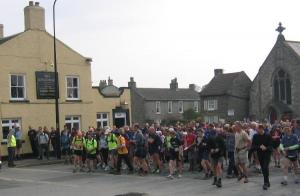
{"x": 27, "y": 84}
{"x": 162, "y": 104}
{"x": 225, "y": 97}
{"x": 275, "y": 92}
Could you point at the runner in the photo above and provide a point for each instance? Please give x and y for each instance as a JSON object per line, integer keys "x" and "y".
{"x": 154, "y": 146}
{"x": 112, "y": 149}
{"x": 77, "y": 145}
{"x": 262, "y": 144}
{"x": 90, "y": 144}
{"x": 174, "y": 153}
{"x": 242, "y": 142}
{"x": 276, "y": 135}
{"x": 289, "y": 147}
{"x": 140, "y": 151}
{"x": 230, "y": 148}
{"x": 217, "y": 151}
{"x": 122, "y": 154}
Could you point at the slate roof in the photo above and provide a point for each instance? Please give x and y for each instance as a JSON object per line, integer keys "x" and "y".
{"x": 166, "y": 94}
{"x": 294, "y": 45}
{"x": 5, "y": 39}
{"x": 220, "y": 84}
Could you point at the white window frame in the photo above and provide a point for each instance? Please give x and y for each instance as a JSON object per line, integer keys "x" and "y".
{"x": 170, "y": 107}
{"x": 196, "y": 106}
{"x": 101, "y": 120}
{"x": 10, "y": 124}
{"x": 212, "y": 105}
{"x": 78, "y": 87}
{"x": 24, "y": 87}
{"x": 211, "y": 119}
{"x": 72, "y": 121}
{"x": 180, "y": 107}
{"x": 157, "y": 107}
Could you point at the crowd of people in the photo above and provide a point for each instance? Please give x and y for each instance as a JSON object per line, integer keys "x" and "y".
{"x": 154, "y": 149}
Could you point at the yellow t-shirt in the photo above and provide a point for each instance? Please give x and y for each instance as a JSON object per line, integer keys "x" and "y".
{"x": 121, "y": 142}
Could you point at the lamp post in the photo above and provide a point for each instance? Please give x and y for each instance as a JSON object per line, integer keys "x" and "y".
{"x": 57, "y": 125}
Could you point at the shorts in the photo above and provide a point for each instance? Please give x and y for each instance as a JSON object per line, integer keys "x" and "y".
{"x": 78, "y": 152}
{"x": 91, "y": 156}
{"x": 140, "y": 153}
{"x": 65, "y": 151}
{"x": 174, "y": 156}
{"x": 113, "y": 152}
{"x": 205, "y": 156}
{"x": 293, "y": 159}
{"x": 153, "y": 152}
{"x": 241, "y": 157}
{"x": 275, "y": 144}
{"x": 18, "y": 144}
{"x": 216, "y": 161}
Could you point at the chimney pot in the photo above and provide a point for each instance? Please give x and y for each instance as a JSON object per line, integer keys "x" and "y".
{"x": 132, "y": 83}
{"x": 218, "y": 71}
{"x": 192, "y": 87}
{"x": 30, "y": 3}
{"x": 37, "y": 4}
{"x": 174, "y": 84}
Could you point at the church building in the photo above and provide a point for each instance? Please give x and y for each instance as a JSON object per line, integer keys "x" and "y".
{"x": 275, "y": 91}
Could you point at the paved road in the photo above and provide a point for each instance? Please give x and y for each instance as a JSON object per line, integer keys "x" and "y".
{"x": 58, "y": 180}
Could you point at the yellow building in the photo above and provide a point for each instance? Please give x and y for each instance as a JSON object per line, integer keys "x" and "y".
{"x": 26, "y": 83}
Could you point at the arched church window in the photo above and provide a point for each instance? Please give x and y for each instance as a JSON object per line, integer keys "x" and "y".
{"x": 282, "y": 87}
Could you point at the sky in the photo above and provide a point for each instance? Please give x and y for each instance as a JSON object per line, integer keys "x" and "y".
{"x": 155, "y": 41}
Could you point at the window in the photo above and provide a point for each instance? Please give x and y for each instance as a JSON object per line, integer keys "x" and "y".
{"x": 282, "y": 87}
{"x": 157, "y": 107}
{"x": 196, "y": 107}
{"x": 180, "y": 106}
{"x": 17, "y": 87}
{"x": 211, "y": 119}
{"x": 8, "y": 124}
{"x": 102, "y": 120}
{"x": 72, "y": 122}
{"x": 210, "y": 105}
{"x": 170, "y": 107}
{"x": 72, "y": 87}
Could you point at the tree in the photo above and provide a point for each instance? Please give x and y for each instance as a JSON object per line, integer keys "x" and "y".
{"x": 190, "y": 114}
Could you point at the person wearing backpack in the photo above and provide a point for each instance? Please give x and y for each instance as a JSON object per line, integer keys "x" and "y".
{"x": 77, "y": 145}
{"x": 112, "y": 148}
{"x": 122, "y": 153}
{"x": 90, "y": 144}
{"x": 154, "y": 143}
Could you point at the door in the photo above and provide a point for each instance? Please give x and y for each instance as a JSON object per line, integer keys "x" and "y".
{"x": 272, "y": 115}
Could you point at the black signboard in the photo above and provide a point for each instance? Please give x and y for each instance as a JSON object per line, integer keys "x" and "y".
{"x": 45, "y": 85}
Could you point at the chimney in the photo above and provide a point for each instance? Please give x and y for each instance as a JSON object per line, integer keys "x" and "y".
{"x": 110, "y": 82}
{"x": 132, "y": 83}
{"x": 102, "y": 84}
{"x": 192, "y": 87}
{"x": 218, "y": 71}
{"x": 174, "y": 84}
{"x": 34, "y": 17}
{"x": 1, "y": 31}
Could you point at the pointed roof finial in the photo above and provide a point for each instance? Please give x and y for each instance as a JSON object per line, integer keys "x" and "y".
{"x": 280, "y": 28}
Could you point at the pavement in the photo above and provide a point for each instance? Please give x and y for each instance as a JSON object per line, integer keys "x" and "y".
{"x": 59, "y": 180}
{"x": 29, "y": 162}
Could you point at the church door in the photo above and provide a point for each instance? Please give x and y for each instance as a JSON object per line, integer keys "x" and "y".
{"x": 272, "y": 115}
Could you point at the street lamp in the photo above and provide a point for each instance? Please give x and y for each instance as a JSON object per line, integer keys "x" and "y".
{"x": 56, "y": 88}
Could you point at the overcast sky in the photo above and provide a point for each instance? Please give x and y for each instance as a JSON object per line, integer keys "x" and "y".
{"x": 157, "y": 40}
